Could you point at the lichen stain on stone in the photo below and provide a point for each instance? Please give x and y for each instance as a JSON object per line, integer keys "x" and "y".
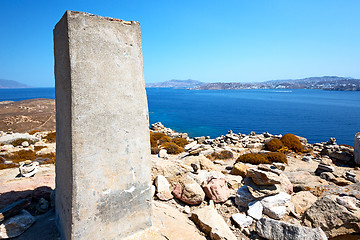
{"x": 114, "y": 206}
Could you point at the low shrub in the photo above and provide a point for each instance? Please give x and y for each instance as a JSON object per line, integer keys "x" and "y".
{"x": 172, "y": 148}
{"x": 155, "y": 137}
{"x": 274, "y": 145}
{"x": 23, "y": 155}
{"x": 37, "y": 148}
{"x": 292, "y": 142}
{"x": 181, "y": 142}
{"x": 164, "y": 139}
{"x": 253, "y": 158}
{"x": 5, "y": 166}
{"x": 33, "y": 132}
{"x": 50, "y": 137}
{"x": 276, "y": 157}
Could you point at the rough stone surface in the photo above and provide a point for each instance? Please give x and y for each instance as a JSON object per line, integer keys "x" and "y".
{"x": 275, "y": 206}
{"x": 279, "y": 230}
{"x": 243, "y": 196}
{"x": 332, "y": 217}
{"x": 255, "y": 210}
{"x": 13, "y": 209}
{"x": 263, "y": 177}
{"x": 217, "y": 190}
{"x": 302, "y": 201}
{"x": 260, "y": 191}
{"x": 101, "y": 100}
{"x": 16, "y": 225}
{"x": 242, "y": 220}
{"x": 211, "y": 223}
{"x": 239, "y": 169}
{"x": 357, "y": 148}
{"x": 162, "y": 184}
{"x": 189, "y": 191}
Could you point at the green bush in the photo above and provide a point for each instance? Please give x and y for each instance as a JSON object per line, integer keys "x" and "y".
{"x": 181, "y": 142}
{"x": 292, "y": 142}
{"x": 253, "y": 158}
{"x": 276, "y": 157}
{"x": 172, "y": 148}
{"x": 274, "y": 145}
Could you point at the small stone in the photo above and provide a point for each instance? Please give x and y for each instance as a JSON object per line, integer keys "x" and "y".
{"x": 162, "y": 184}
{"x": 255, "y": 210}
{"x": 280, "y": 166}
{"x": 348, "y": 202}
{"x": 163, "y": 154}
{"x": 302, "y": 201}
{"x": 243, "y": 196}
{"x": 187, "y": 209}
{"x": 28, "y": 168}
{"x": 328, "y": 176}
{"x": 189, "y": 191}
{"x": 42, "y": 206}
{"x": 25, "y": 144}
{"x": 307, "y": 159}
{"x": 242, "y": 220}
{"x": 275, "y": 206}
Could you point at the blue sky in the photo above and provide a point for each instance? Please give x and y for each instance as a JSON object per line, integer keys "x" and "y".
{"x": 210, "y": 41}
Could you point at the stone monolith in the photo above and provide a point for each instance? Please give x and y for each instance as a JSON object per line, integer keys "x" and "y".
{"x": 357, "y": 148}
{"x": 103, "y": 166}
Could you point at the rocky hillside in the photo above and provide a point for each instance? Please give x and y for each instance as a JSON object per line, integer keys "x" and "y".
{"x": 11, "y": 84}
{"x": 325, "y": 83}
{"x": 175, "y": 84}
{"x": 236, "y": 186}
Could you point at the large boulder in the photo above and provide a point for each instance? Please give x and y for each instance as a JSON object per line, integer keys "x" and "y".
{"x": 16, "y": 225}
{"x": 279, "y": 230}
{"x": 189, "y": 191}
{"x": 260, "y": 191}
{"x": 357, "y": 148}
{"x": 334, "y": 218}
{"x": 202, "y": 161}
{"x": 217, "y": 190}
{"x": 211, "y": 223}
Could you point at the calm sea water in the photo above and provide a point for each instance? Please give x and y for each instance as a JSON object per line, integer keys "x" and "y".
{"x": 314, "y": 114}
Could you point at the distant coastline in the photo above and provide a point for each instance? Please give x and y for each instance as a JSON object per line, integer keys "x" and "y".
{"x": 8, "y": 84}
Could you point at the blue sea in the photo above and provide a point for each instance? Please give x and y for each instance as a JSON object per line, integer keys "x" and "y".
{"x": 314, "y": 114}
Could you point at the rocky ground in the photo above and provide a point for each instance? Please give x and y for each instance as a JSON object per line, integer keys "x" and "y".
{"x": 316, "y": 195}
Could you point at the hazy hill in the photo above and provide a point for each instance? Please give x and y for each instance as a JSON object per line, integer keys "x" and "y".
{"x": 326, "y": 83}
{"x": 11, "y": 84}
{"x": 175, "y": 84}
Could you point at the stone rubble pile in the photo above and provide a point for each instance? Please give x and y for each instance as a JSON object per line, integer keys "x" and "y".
{"x": 272, "y": 201}
{"x": 315, "y": 196}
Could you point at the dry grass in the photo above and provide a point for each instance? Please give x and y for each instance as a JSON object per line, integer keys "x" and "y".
{"x": 50, "y": 137}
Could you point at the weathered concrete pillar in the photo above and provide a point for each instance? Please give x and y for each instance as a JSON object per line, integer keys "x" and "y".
{"x": 357, "y": 148}
{"x": 103, "y": 166}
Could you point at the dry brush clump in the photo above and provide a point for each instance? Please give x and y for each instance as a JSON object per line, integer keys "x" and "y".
{"x": 23, "y": 155}
{"x": 160, "y": 141}
{"x": 19, "y": 141}
{"x": 262, "y": 158}
{"x": 274, "y": 145}
{"x": 292, "y": 142}
{"x": 50, "y": 137}
{"x": 172, "y": 148}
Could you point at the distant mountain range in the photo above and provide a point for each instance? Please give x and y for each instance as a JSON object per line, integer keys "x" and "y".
{"x": 175, "y": 84}
{"x": 12, "y": 84}
{"x": 326, "y": 83}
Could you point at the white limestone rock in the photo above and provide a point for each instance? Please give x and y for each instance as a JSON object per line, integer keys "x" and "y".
{"x": 242, "y": 220}
{"x": 16, "y": 225}
{"x": 275, "y": 206}
{"x": 255, "y": 210}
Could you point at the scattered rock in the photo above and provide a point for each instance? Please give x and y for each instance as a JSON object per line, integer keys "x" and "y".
{"x": 260, "y": 191}
{"x": 242, "y": 220}
{"x": 28, "y": 169}
{"x": 261, "y": 177}
{"x": 243, "y": 196}
{"x": 280, "y": 166}
{"x": 255, "y": 210}
{"x": 42, "y": 206}
{"x": 323, "y": 168}
{"x": 279, "y": 230}
{"x": 16, "y": 225}
{"x": 211, "y": 223}
{"x": 239, "y": 169}
{"x": 161, "y": 183}
{"x": 163, "y": 154}
{"x": 233, "y": 181}
{"x": 217, "y": 190}
{"x": 189, "y": 191}
{"x": 275, "y": 206}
